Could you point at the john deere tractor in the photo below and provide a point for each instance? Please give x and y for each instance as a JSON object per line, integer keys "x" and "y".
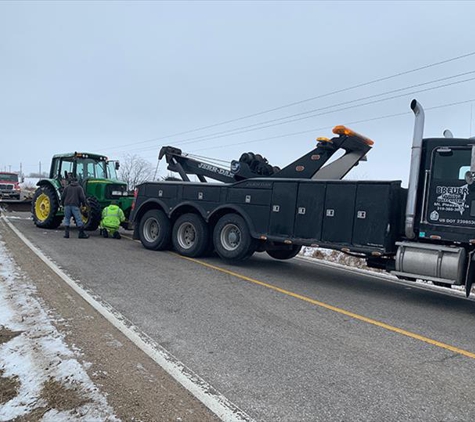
{"x": 95, "y": 173}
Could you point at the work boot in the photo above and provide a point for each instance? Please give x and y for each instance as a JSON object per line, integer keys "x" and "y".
{"x": 116, "y": 235}
{"x": 66, "y": 233}
{"x": 105, "y": 234}
{"x": 82, "y": 234}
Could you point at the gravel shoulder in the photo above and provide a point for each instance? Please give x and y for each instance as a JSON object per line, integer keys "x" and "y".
{"x": 135, "y": 386}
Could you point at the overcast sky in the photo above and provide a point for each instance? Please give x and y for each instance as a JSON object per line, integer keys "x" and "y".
{"x": 125, "y": 77}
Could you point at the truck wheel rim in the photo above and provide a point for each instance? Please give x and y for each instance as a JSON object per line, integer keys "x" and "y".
{"x": 42, "y": 207}
{"x": 230, "y": 237}
{"x": 151, "y": 230}
{"x": 186, "y": 235}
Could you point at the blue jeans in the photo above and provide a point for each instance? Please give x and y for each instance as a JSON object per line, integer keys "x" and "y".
{"x": 70, "y": 211}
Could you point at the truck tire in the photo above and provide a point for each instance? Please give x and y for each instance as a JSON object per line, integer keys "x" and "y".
{"x": 155, "y": 230}
{"x": 285, "y": 253}
{"x": 44, "y": 207}
{"x": 232, "y": 239}
{"x": 190, "y": 235}
{"x": 91, "y": 214}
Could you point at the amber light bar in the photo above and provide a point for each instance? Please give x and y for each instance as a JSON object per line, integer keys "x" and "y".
{"x": 343, "y": 130}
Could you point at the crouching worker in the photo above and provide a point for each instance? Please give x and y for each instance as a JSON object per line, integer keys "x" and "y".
{"x": 73, "y": 197}
{"x": 112, "y": 216}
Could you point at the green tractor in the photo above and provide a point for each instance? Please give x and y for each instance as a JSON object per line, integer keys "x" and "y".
{"x": 95, "y": 173}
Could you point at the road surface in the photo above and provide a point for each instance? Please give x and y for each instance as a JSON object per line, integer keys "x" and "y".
{"x": 287, "y": 341}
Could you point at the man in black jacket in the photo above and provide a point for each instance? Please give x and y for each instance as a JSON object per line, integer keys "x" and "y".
{"x": 72, "y": 198}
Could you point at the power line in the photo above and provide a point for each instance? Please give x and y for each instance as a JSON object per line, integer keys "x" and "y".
{"x": 322, "y": 128}
{"x": 318, "y": 114}
{"x": 330, "y": 127}
{"x": 255, "y": 125}
{"x": 385, "y": 78}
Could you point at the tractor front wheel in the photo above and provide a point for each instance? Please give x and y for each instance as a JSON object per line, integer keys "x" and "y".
{"x": 44, "y": 208}
{"x": 91, "y": 214}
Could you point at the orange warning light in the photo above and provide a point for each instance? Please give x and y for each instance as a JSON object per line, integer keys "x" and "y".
{"x": 343, "y": 130}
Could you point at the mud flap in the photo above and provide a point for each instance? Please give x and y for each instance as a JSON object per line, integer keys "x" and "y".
{"x": 470, "y": 274}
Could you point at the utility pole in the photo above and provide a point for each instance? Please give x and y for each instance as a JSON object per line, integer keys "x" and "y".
{"x": 21, "y": 170}
{"x": 40, "y": 169}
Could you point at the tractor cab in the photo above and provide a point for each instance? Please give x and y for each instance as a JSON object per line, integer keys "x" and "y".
{"x": 83, "y": 166}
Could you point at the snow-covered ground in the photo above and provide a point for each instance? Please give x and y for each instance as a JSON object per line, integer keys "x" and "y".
{"x": 40, "y": 377}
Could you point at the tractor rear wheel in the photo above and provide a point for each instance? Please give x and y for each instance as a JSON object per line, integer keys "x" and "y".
{"x": 44, "y": 208}
{"x": 91, "y": 214}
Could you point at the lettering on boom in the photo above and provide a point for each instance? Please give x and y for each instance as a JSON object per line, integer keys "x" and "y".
{"x": 215, "y": 169}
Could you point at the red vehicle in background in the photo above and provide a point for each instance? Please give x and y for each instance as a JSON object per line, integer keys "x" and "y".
{"x": 9, "y": 185}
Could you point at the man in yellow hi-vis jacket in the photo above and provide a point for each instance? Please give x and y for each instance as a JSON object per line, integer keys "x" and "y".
{"x": 112, "y": 216}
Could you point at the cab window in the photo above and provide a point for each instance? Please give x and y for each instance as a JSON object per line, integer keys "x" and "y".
{"x": 451, "y": 163}
{"x": 67, "y": 166}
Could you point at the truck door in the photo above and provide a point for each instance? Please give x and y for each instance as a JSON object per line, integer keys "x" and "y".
{"x": 449, "y": 200}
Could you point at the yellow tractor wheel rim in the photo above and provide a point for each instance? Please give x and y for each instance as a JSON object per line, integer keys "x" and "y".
{"x": 84, "y": 214}
{"x": 42, "y": 207}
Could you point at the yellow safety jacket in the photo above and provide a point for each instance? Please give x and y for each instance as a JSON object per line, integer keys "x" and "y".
{"x": 112, "y": 216}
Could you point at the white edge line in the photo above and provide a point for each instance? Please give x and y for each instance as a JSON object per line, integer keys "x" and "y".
{"x": 199, "y": 388}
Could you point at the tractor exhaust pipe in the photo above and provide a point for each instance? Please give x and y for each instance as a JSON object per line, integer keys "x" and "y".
{"x": 415, "y": 167}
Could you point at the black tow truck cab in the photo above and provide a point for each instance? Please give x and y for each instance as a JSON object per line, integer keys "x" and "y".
{"x": 426, "y": 231}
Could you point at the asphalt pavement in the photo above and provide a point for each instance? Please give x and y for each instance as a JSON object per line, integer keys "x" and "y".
{"x": 288, "y": 340}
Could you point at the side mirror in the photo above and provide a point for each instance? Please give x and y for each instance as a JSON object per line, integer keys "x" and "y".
{"x": 117, "y": 165}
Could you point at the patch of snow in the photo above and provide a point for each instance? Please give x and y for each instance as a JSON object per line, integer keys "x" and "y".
{"x": 39, "y": 354}
{"x": 29, "y": 182}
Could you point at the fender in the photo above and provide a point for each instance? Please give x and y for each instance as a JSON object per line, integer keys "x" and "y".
{"x": 191, "y": 204}
{"x": 239, "y": 211}
{"x": 54, "y": 184}
{"x": 157, "y": 204}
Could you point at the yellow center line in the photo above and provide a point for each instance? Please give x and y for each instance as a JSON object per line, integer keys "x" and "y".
{"x": 336, "y": 309}
{"x": 333, "y": 308}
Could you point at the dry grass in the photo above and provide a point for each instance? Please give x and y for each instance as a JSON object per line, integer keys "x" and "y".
{"x": 55, "y": 394}
{"x": 6, "y": 335}
{"x": 57, "y": 397}
{"x": 8, "y": 388}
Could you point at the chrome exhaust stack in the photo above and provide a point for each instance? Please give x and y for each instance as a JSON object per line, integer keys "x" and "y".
{"x": 415, "y": 167}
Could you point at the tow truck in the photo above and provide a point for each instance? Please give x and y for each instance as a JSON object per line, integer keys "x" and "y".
{"x": 426, "y": 231}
